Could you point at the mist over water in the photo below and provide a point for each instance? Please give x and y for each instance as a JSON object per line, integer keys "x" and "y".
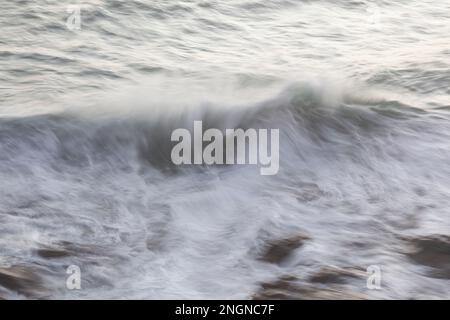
{"x": 359, "y": 91}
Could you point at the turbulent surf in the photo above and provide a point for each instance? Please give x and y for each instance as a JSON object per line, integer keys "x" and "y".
{"x": 358, "y": 90}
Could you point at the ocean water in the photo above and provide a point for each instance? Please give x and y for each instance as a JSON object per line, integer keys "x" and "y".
{"x": 360, "y": 91}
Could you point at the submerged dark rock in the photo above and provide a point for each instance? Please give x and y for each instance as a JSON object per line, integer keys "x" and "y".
{"x": 53, "y": 253}
{"x": 22, "y": 280}
{"x": 285, "y": 288}
{"x": 292, "y": 288}
{"x": 432, "y": 251}
{"x": 63, "y": 249}
{"x": 277, "y": 251}
{"x": 329, "y": 275}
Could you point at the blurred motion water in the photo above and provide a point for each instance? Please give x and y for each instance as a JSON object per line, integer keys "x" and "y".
{"x": 360, "y": 92}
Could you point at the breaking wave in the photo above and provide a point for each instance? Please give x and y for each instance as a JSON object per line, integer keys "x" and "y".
{"x": 86, "y": 177}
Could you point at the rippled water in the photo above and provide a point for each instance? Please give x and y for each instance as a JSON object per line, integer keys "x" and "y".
{"x": 359, "y": 91}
